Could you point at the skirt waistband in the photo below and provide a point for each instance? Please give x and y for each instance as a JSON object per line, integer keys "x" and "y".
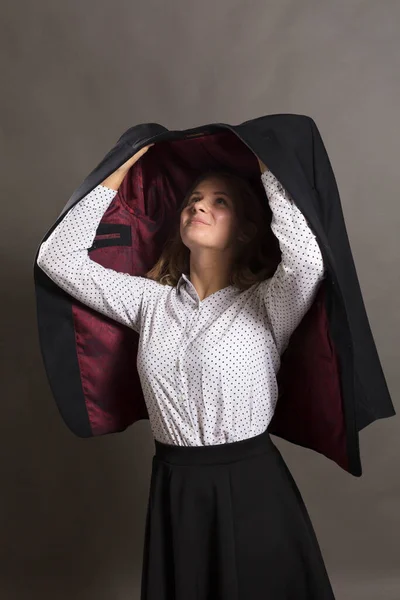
{"x": 215, "y": 453}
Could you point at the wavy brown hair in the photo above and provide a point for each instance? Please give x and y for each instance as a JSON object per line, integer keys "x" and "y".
{"x": 256, "y": 254}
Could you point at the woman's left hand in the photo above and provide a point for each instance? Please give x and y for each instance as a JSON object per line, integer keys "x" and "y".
{"x": 263, "y": 167}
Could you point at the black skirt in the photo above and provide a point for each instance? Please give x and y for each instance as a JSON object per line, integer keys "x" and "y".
{"x": 227, "y": 522}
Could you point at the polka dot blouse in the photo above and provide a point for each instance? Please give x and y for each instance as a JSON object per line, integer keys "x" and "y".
{"x": 207, "y": 367}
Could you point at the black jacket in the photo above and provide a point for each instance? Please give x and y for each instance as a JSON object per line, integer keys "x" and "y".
{"x": 331, "y": 383}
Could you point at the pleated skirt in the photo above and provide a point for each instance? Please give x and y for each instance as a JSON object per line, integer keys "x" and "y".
{"x": 227, "y": 522}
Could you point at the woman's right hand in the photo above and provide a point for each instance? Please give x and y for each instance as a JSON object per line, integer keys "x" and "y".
{"x": 133, "y": 159}
{"x": 114, "y": 180}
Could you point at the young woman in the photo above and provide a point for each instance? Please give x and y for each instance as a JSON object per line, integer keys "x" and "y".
{"x": 225, "y": 519}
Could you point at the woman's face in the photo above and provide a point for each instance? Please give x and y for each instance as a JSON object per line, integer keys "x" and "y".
{"x": 211, "y": 202}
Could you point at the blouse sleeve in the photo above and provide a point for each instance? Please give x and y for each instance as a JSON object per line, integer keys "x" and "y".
{"x": 289, "y": 294}
{"x": 65, "y": 259}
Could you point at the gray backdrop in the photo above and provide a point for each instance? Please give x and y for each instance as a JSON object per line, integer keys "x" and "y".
{"x": 75, "y": 76}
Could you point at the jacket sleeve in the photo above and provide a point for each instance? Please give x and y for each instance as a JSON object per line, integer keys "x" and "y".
{"x": 289, "y": 294}
{"x": 65, "y": 259}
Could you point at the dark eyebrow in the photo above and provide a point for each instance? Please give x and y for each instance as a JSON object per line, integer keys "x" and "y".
{"x": 199, "y": 193}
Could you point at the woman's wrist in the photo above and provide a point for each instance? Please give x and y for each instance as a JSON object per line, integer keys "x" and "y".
{"x": 263, "y": 167}
{"x": 114, "y": 180}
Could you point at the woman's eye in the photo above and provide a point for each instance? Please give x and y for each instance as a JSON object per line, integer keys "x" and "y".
{"x": 195, "y": 198}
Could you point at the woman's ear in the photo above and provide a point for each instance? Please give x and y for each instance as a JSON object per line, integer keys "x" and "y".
{"x": 253, "y": 230}
{"x": 250, "y": 232}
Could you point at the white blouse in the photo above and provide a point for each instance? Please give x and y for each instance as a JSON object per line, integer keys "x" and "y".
{"x": 207, "y": 367}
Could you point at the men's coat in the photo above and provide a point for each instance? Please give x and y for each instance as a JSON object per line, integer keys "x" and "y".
{"x": 331, "y": 383}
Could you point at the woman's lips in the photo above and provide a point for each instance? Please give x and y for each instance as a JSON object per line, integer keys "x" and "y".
{"x": 194, "y": 221}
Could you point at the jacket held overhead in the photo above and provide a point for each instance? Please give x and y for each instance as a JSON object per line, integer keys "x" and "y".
{"x": 330, "y": 380}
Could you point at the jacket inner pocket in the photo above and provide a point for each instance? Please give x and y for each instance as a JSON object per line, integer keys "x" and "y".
{"x": 112, "y": 234}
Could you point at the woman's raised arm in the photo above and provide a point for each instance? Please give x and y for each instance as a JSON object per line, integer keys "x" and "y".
{"x": 65, "y": 259}
{"x": 288, "y": 295}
